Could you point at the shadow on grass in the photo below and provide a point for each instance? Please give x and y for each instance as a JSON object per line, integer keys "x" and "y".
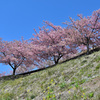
{"x": 9, "y": 77}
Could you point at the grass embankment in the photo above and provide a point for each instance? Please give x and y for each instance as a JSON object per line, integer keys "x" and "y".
{"x": 77, "y": 79}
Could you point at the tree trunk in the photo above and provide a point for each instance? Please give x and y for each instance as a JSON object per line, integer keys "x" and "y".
{"x": 56, "y": 61}
{"x": 14, "y": 70}
{"x": 87, "y": 46}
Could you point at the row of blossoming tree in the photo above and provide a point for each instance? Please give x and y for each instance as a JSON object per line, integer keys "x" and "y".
{"x": 52, "y": 43}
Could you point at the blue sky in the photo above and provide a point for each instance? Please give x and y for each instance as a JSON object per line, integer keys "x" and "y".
{"x": 19, "y": 17}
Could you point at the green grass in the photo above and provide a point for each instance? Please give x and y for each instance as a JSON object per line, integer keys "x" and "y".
{"x": 6, "y": 96}
{"x": 77, "y": 79}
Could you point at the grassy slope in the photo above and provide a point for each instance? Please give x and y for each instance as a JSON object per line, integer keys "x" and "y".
{"x": 78, "y": 79}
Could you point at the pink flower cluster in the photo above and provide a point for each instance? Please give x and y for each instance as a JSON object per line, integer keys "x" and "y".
{"x": 52, "y": 43}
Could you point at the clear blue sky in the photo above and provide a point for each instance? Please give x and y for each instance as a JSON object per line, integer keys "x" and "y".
{"x": 19, "y": 17}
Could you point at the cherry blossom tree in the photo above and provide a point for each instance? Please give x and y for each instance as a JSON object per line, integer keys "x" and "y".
{"x": 87, "y": 30}
{"x": 15, "y": 54}
{"x": 53, "y": 42}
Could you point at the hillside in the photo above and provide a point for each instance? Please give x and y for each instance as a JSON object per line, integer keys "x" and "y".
{"x": 77, "y": 79}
